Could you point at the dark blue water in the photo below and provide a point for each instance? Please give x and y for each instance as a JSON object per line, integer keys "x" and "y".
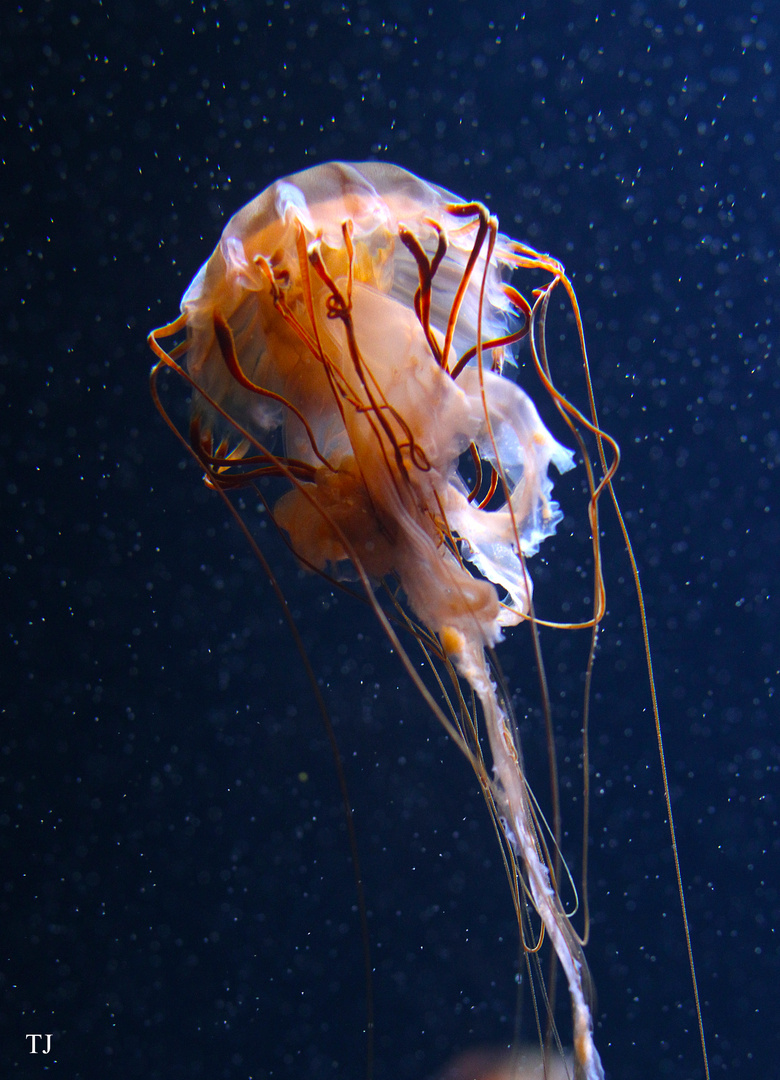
{"x": 177, "y": 898}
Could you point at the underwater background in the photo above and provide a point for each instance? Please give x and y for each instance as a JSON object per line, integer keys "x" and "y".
{"x": 176, "y": 894}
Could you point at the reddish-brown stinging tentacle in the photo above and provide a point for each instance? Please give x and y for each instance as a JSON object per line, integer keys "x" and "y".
{"x": 228, "y": 470}
{"x": 227, "y": 347}
{"x": 339, "y": 308}
{"x": 490, "y": 491}
{"x": 474, "y": 209}
{"x": 518, "y": 301}
{"x": 426, "y": 269}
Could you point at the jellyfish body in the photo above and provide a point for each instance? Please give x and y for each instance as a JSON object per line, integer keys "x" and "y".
{"x": 351, "y": 334}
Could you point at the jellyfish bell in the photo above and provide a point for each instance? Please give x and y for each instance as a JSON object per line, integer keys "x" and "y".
{"x": 343, "y": 362}
{"x": 350, "y": 344}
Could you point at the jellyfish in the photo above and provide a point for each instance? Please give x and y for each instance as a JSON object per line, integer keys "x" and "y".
{"x": 352, "y": 347}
